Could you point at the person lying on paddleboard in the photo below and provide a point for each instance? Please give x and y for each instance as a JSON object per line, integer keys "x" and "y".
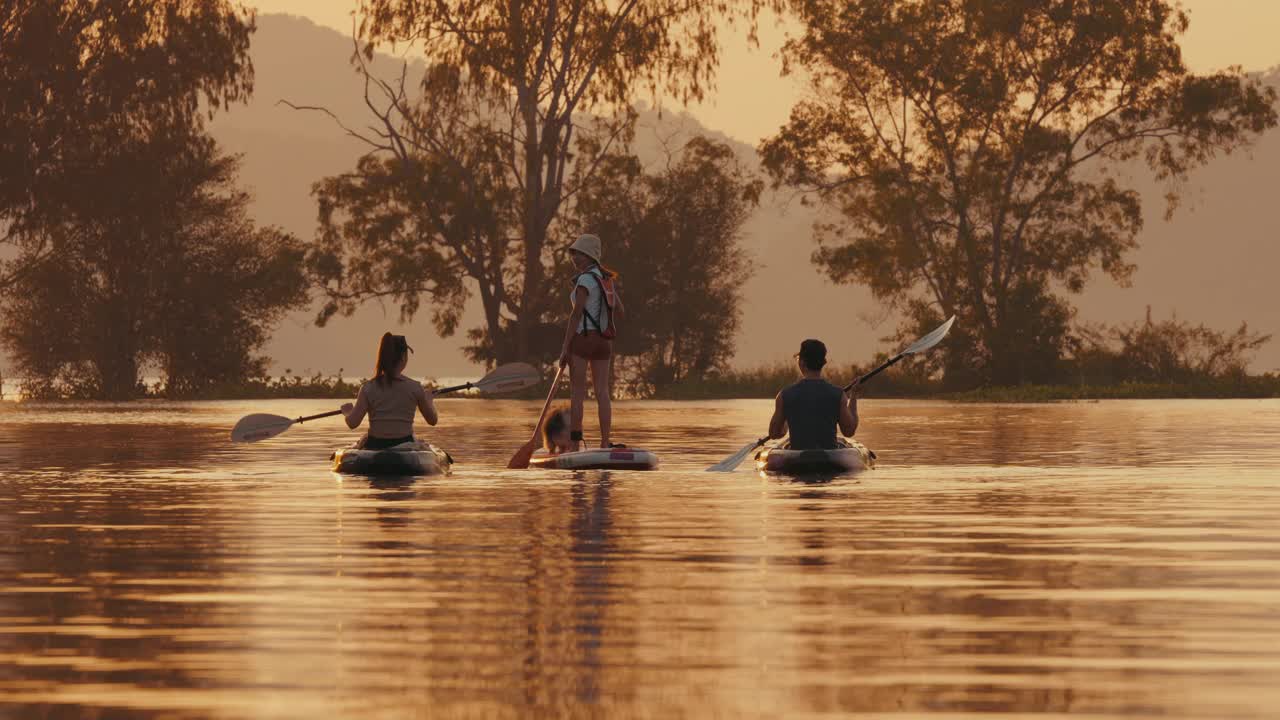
{"x": 390, "y": 399}
{"x": 588, "y": 339}
{"x": 556, "y": 439}
{"x": 813, "y": 408}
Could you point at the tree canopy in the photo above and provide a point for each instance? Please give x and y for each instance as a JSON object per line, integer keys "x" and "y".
{"x": 971, "y": 153}
{"x": 77, "y": 77}
{"x": 158, "y": 268}
{"x": 130, "y": 245}
{"x": 519, "y": 106}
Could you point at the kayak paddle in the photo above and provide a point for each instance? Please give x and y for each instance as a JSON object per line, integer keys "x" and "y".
{"x": 732, "y": 462}
{"x": 521, "y": 458}
{"x": 506, "y": 378}
{"x": 919, "y": 346}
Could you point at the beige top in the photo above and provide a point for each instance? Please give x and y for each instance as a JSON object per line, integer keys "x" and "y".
{"x": 392, "y": 407}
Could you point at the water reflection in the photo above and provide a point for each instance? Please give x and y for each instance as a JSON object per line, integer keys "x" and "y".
{"x": 1096, "y": 559}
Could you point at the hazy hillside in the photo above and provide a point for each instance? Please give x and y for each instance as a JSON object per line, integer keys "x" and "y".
{"x": 1214, "y": 262}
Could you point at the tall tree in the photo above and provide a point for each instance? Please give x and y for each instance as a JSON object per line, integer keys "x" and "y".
{"x": 520, "y": 104}
{"x": 78, "y": 77}
{"x": 156, "y": 265}
{"x": 675, "y": 238}
{"x": 102, "y": 107}
{"x": 970, "y": 150}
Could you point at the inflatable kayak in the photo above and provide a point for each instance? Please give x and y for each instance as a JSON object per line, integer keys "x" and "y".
{"x": 784, "y": 460}
{"x": 597, "y": 459}
{"x": 405, "y": 459}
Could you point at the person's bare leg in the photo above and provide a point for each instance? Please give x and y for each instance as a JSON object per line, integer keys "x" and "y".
{"x": 604, "y": 403}
{"x": 577, "y": 393}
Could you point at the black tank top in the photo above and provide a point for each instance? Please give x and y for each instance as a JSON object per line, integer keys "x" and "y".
{"x": 812, "y": 409}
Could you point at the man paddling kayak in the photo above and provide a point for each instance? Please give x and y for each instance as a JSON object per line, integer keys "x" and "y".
{"x": 813, "y": 408}
{"x": 390, "y": 399}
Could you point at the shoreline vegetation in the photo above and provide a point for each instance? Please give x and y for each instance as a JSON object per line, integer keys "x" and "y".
{"x": 1170, "y": 359}
{"x": 764, "y": 383}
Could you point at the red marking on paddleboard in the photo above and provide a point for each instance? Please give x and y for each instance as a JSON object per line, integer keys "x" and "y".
{"x": 620, "y": 455}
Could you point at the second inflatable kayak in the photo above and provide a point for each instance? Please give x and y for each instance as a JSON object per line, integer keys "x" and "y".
{"x": 853, "y": 458}
{"x": 417, "y": 458}
{"x": 597, "y": 459}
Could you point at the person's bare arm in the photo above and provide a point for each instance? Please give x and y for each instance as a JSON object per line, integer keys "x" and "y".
{"x": 580, "y": 296}
{"x": 778, "y": 423}
{"x": 354, "y": 414}
{"x": 427, "y": 406}
{"x": 849, "y": 412}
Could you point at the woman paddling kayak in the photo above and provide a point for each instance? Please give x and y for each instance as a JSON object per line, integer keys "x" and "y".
{"x": 390, "y": 399}
{"x": 588, "y": 339}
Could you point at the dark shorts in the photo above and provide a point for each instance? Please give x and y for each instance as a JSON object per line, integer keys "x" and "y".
{"x": 591, "y": 346}
{"x": 373, "y": 443}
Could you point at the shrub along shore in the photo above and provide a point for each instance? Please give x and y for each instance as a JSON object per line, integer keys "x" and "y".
{"x": 765, "y": 383}
{"x": 901, "y": 382}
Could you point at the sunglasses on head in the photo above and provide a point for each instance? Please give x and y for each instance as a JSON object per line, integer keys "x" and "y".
{"x": 401, "y": 341}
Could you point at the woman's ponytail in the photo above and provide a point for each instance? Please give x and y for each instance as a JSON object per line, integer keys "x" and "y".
{"x": 391, "y": 350}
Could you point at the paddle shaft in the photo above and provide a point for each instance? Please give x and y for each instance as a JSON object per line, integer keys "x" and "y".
{"x": 883, "y": 366}
{"x": 441, "y": 391}
{"x": 331, "y": 413}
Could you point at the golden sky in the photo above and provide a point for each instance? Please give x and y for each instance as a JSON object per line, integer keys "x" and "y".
{"x": 752, "y": 101}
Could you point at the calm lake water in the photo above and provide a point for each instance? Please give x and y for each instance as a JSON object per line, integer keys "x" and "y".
{"x": 1095, "y": 560}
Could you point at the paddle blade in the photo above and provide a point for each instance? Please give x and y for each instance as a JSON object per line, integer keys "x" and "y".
{"x": 520, "y": 460}
{"x": 732, "y": 462}
{"x": 931, "y": 339}
{"x": 259, "y": 426}
{"x": 509, "y": 378}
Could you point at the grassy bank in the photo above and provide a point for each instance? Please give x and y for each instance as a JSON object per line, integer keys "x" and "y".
{"x": 316, "y": 387}
{"x": 1257, "y": 387}
{"x": 766, "y": 382}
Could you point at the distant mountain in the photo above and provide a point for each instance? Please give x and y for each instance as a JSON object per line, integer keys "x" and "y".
{"x": 1215, "y": 262}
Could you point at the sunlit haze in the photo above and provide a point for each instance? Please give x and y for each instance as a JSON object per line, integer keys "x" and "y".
{"x": 752, "y": 100}
{"x": 939, "y": 379}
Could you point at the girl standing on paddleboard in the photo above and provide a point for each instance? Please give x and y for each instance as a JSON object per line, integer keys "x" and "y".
{"x": 390, "y": 399}
{"x": 588, "y": 339}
